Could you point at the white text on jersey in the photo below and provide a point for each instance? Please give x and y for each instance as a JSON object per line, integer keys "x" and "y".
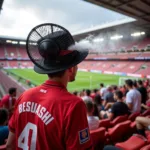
{"x": 39, "y": 110}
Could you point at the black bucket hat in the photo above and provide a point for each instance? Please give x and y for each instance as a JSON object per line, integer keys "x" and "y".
{"x": 47, "y": 46}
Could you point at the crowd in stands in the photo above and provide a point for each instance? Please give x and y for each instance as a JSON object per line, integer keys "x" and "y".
{"x": 101, "y": 104}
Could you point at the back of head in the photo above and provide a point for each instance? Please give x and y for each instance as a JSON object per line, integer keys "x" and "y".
{"x": 140, "y": 82}
{"x": 101, "y": 85}
{"x": 119, "y": 94}
{"x": 88, "y": 92}
{"x": 12, "y": 90}
{"x": 97, "y": 99}
{"x": 135, "y": 83}
{"x": 95, "y": 90}
{"x": 89, "y": 106}
{"x": 3, "y": 116}
{"x": 129, "y": 83}
{"x": 109, "y": 88}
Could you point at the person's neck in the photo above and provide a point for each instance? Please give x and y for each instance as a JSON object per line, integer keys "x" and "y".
{"x": 89, "y": 114}
{"x": 59, "y": 80}
{"x": 119, "y": 100}
{"x": 130, "y": 88}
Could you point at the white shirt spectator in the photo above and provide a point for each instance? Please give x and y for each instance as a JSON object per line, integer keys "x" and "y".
{"x": 93, "y": 122}
{"x": 103, "y": 92}
{"x": 86, "y": 98}
{"x": 134, "y": 97}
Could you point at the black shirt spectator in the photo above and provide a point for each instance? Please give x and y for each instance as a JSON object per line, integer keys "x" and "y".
{"x": 119, "y": 109}
{"x": 143, "y": 91}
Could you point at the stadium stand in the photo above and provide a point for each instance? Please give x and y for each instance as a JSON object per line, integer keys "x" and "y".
{"x": 7, "y": 82}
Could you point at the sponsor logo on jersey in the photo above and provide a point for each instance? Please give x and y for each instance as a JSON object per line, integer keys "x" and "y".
{"x": 84, "y": 135}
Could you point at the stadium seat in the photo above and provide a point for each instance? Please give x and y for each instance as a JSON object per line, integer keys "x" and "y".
{"x": 98, "y": 137}
{"x": 133, "y": 127}
{"x": 105, "y": 123}
{"x": 135, "y": 142}
{"x": 146, "y": 113}
{"x": 119, "y": 131}
{"x": 147, "y": 147}
{"x": 2, "y": 147}
{"x": 118, "y": 120}
{"x": 133, "y": 116}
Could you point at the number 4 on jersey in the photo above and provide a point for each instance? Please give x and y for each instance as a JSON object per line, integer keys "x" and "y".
{"x": 23, "y": 140}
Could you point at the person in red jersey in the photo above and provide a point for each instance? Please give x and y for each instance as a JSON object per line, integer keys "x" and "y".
{"x": 48, "y": 117}
{"x": 8, "y": 101}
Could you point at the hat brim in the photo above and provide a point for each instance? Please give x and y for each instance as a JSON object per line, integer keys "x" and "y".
{"x": 54, "y": 69}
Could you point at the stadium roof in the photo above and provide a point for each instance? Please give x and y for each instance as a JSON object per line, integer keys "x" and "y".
{"x": 138, "y": 9}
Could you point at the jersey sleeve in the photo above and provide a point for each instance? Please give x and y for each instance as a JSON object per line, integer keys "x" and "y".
{"x": 77, "y": 135}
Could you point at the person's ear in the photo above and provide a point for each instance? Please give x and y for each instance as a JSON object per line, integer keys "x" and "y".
{"x": 70, "y": 70}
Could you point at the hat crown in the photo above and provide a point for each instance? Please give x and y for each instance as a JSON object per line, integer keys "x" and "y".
{"x": 51, "y": 45}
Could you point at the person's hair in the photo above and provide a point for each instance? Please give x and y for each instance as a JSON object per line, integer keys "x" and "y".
{"x": 115, "y": 87}
{"x": 89, "y": 105}
{"x": 88, "y": 92}
{"x": 98, "y": 100}
{"x": 75, "y": 93}
{"x": 119, "y": 94}
{"x": 135, "y": 83}
{"x": 12, "y": 90}
{"x": 95, "y": 90}
{"x": 95, "y": 112}
{"x": 101, "y": 84}
{"x": 129, "y": 82}
{"x": 140, "y": 82}
{"x": 3, "y": 115}
{"x": 57, "y": 74}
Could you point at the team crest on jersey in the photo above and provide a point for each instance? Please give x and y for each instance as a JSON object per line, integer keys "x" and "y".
{"x": 84, "y": 135}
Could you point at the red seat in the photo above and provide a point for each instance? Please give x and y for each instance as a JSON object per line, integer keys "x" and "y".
{"x": 118, "y": 120}
{"x": 147, "y": 147}
{"x": 146, "y": 113}
{"x": 133, "y": 127}
{"x": 133, "y": 143}
{"x": 118, "y": 132}
{"x": 133, "y": 116}
{"x": 98, "y": 136}
{"x": 2, "y": 147}
{"x": 105, "y": 123}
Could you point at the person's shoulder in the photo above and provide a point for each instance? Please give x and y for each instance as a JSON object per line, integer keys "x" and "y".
{"x": 5, "y": 97}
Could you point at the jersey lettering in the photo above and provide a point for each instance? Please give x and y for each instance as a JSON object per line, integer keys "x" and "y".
{"x": 23, "y": 139}
{"x": 37, "y": 109}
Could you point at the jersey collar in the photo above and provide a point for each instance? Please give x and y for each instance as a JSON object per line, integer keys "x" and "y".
{"x": 54, "y": 83}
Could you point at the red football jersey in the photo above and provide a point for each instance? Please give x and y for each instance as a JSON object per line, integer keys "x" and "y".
{"x": 49, "y": 117}
{"x": 8, "y": 101}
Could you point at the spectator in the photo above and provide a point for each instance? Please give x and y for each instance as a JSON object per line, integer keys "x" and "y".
{"x": 98, "y": 102}
{"x": 93, "y": 121}
{"x": 109, "y": 96}
{"x": 87, "y": 95}
{"x": 103, "y": 90}
{"x": 115, "y": 88}
{"x": 47, "y": 116}
{"x": 75, "y": 93}
{"x": 142, "y": 123}
{"x": 133, "y": 97}
{"x": 94, "y": 93}
{"x": 135, "y": 84}
{"x": 3, "y": 125}
{"x": 8, "y": 101}
{"x": 143, "y": 91}
{"x": 118, "y": 108}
